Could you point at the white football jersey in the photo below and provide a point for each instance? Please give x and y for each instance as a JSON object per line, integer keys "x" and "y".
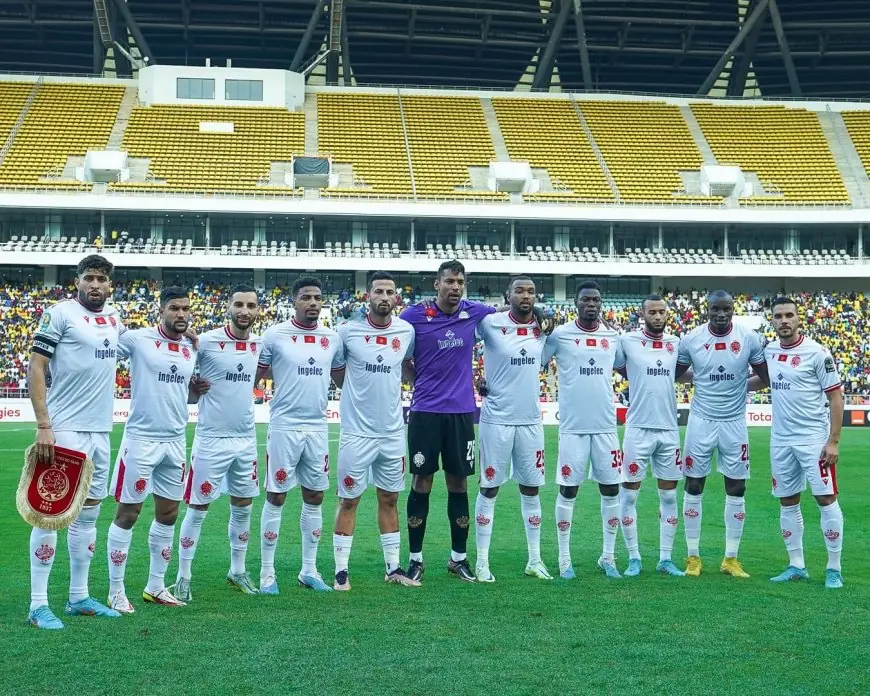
{"x": 81, "y": 346}
{"x": 584, "y": 360}
{"x": 301, "y": 360}
{"x": 721, "y": 366}
{"x": 372, "y": 356}
{"x": 512, "y": 364}
{"x": 651, "y": 367}
{"x": 160, "y": 371}
{"x": 230, "y": 366}
{"x": 800, "y": 376}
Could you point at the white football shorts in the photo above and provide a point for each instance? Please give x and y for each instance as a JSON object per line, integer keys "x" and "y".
{"x": 216, "y": 460}
{"x": 600, "y": 449}
{"x": 729, "y": 438}
{"x": 642, "y": 447}
{"x": 511, "y": 451}
{"x": 792, "y": 466}
{"x": 144, "y": 467}
{"x": 96, "y": 447}
{"x": 297, "y": 457}
{"x": 380, "y": 460}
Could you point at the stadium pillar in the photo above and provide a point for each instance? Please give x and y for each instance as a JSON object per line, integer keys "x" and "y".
{"x": 50, "y": 277}
{"x": 661, "y": 242}
{"x": 260, "y": 278}
{"x": 142, "y": 44}
{"x": 581, "y": 42}
{"x": 302, "y": 48}
{"x": 860, "y": 242}
{"x": 725, "y": 251}
{"x": 610, "y": 248}
{"x": 754, "y": 18}
{"x": 784, "y": 49}
{"x": 359, "y": 281}
{"x": 207, "y": 240}
{"x": 412, "y": 241}
{"x": 157, "y": 274}
{"x": 99, "y": 50}
{"x": 560, "y": 292}
{"x": 743, "y": 61}
{"x": 103, "y": 225}
{"x": 513, "y": 242}
{"x": 544, "y": 72}
{"x": 310, "y": 233}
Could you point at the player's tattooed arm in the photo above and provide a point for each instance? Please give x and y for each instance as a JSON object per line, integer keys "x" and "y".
{"x": 409, "y": 371}
{"x": 36, "y": 385}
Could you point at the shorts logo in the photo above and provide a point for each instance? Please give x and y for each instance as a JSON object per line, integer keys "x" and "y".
{"x": 489, "y": 472}
{"x": 774, "y": 482}
{"x": 786, "y": 533}
{"x": 244, "y": 536}
{"x": 270, "y": 536}
{"x": 139, "y": 486}
{"x": 795, "y": 360}
{"x": 566, "y": 471}
{"x": 613, "y": 522}
{"x": 44, "y": 553}
{"x": 281, "y": 475}
{"x": 672, "y": 521}
{"x": 535, "y": 520}
{"x": 832, "y": 535}
{"x": 396, "y": 344}
{"x": 735, "y": 347}
{"x": 92, "y": 548}
{"x": 324, "y": 342}
{"x": 118, "y": 557}
{"x": 691, "y": 513}
{"x": 206, "y": 488}
{"x": 483, "y": 520}
{"x": 414, "y": 522}
{"x": 185, "y": 351}
{"x": 633, "y": 468}
{"x": 419, "y": 460}
{"x": 689, "y": 462}
{"x": 348, "y": 482}
{"x": 627, "y": 521}
{"x": 187, "y": 542}
{"x": 167, "y": 554}
{"x": 563, "y": 525}
{"x": 740, "y": 516}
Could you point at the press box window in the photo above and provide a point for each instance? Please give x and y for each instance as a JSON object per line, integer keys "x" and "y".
{"x": 194, "y": 88}
{"x": 244, "y": 90}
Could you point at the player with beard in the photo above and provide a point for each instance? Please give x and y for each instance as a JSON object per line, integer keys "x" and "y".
{"x": 720, "y": 354}
{"x": 511, "y": 433}
{"x": 76, "y": 342}
{"x": 225, "y": 445}
{"x": 372, "y": 442}
{"x": 153, "y": 453}
{"x": 648, "y": 358}
{"x": 585, "y": 350}
{"x": 300, "y": 354}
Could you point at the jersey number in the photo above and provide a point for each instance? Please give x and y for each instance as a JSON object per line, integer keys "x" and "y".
{"x": 325, "y": 463}
{"x": 539, "y": 459}
{"x": 255, "y": 475}
{"x": 677, "y": 460}
{"x": 469, "y": 451}
{"x": 617, "y": 459}
{"x": 823, "y": 469}
{"x": 744, "y": 452}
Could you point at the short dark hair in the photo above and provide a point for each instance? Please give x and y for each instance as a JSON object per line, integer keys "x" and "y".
{"x": 243, "y": 287}
{"x": 719, "y": 295}
{"x": 173, "y": 292}
{"x": 379, "y": 275}
{"x": 783, "y": 300}
{"x": 95, "y": 262}
{"x": 453, "y": 266}
{"x": 587, "y": 285}
{"x": 519, "y": 277}
{"x": 306, "y": 282}
{"x": 654, "y": 297}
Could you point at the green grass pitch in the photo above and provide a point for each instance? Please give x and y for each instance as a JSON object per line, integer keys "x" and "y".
{"x": 652, "y": 634}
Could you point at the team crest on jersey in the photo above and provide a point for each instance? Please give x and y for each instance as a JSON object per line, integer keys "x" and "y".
{"x": 324, "y": 342}
{"x": 536, "y": 332}
{"x": 463, "y": 314}
{"x": 281, "y": 475}
{"x": 566, "y": 471}
{"x": 795, "y": 360}
{"x": 633, "y": 468}
{"x": 139, "y": 486}
{"x": 206, "y": 488}
{"x": 254, "y": 348}
{"x": 735, "y": 347}
{"x": 396, "y": 344}
{"x": 669, "y": 347}
{"x": 185, "y": 352}
{"x": 430, "y": 313}
{"x": 113, "y": 322}
{"x": 605, "y": 344}
{"x": 689, "y": 462}
{"x": 489, "y": 472}
{"x": 348, "y": 482}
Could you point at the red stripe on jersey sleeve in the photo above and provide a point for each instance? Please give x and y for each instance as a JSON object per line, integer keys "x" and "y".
{"x": 834, "y": 388}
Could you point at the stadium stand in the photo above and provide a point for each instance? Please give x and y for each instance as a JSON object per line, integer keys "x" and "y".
{"x": 365, "y": 130}
{"x": 183, "y": 158}
{"x": 13, "y": 95}
{"x": 858, "y": 125}
{"x": 64, "y": 120}
{"x": 785, "y": 147}
{"x": 645, "y": 144}
{"x": 446, "y": 136}
{"x": 547, "y": 133}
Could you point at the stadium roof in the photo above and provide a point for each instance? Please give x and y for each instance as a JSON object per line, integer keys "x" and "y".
{"x": 661, "y": 46}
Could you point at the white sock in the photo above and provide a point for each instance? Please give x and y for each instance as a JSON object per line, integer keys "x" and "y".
{"x": 832, "y": 529}
{"x": 160, "y": 539}
{"x": 118, "y": 547}
{"x": 81, "y": 539}
{"x": 564, "y": 517}
{"x": 609, "y": 525}
{"x": 416, "y": 557}
{"x": 531, "y": 509}
{"x": 390, "y": 542}
{"x": 484, "y": 518}
{"x": 191, "y": 527}
{"x": 457, "y": 556}
{"x": 735, "y": 514}
{"x": 667, "y": 522}
{"x": 791, "y": 521}
{"x": 270, "y": 528}
{"x": 43, "y": 544}
{"x": 311, "y": 526}
{"x": 692, "y": 513}
{"x": 341, "y": 546}
{"x": 239, "y": 531}
{"x": 628, "y": 511}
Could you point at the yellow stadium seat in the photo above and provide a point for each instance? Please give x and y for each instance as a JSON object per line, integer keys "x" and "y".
{"x": 858, "y": 124}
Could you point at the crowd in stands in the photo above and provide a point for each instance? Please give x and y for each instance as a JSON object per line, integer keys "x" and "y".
{"x": 838, "y": 320}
